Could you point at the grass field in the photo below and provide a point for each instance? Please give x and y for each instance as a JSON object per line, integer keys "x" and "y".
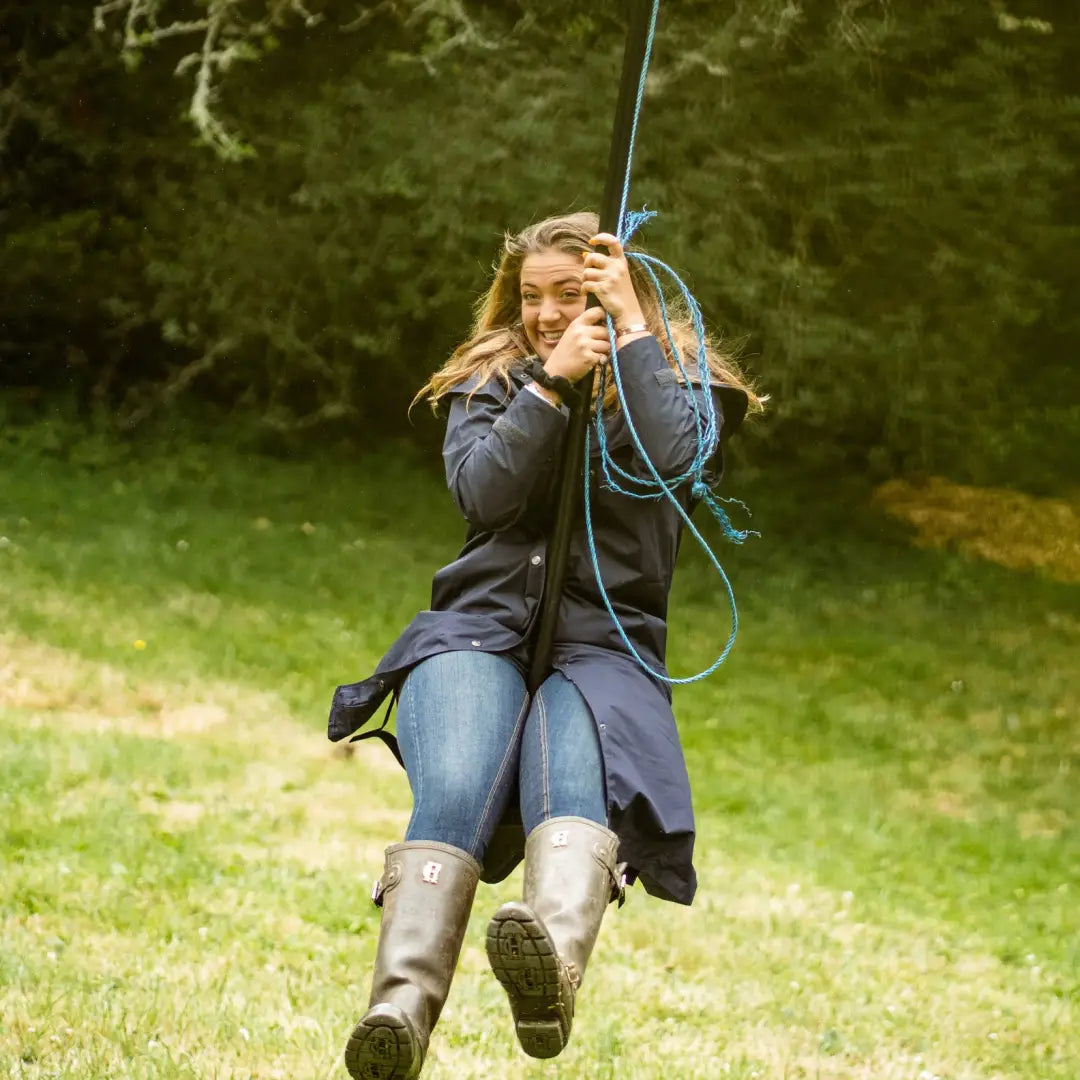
{"x": 885, "y": 770}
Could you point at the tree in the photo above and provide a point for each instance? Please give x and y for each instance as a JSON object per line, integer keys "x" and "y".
{"x": 226, "y": 32}
{"x": 876, "y": 199}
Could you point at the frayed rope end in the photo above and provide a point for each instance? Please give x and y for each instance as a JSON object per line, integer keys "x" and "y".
{"x": 701, "y": 491}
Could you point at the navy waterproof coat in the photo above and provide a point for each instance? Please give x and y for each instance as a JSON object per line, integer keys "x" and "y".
{"x": 502, "y": 450}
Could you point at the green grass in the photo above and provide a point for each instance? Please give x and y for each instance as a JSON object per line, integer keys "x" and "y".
{"x": 885, "y": 773}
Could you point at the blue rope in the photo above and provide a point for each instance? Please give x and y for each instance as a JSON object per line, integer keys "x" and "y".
{"x": 656, "y": 487}
{"x": 637, "y": 110}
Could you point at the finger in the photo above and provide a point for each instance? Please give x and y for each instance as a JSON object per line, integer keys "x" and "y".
{"x": 611, "y": 242}
{"x": 613, "y": 274}
{"x": 599, "y": 282}
{"x": 591, "y": 316}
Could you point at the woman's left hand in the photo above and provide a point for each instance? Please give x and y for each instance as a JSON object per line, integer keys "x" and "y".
{"x": 608, "y": 277}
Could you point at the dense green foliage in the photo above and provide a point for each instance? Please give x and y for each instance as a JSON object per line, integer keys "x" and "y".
{"x": 876, "y": 199}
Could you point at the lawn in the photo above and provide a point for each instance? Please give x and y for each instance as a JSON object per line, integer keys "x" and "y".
{"x": 885, "y": 772}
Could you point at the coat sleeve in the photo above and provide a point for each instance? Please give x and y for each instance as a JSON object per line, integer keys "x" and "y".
{"x": 499, "y": 451}
{"x": 660, "y": 407}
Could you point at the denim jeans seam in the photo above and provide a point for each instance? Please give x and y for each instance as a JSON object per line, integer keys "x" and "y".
{"x": 418, "y": 794}
{"x": 514, "y": 744}
{"x": 545, "y": 766}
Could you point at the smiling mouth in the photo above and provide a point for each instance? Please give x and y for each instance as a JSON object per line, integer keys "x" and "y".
{"x": 550, "y": 337}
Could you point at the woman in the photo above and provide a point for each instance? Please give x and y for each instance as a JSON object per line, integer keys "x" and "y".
{"x": 591, "y": 761}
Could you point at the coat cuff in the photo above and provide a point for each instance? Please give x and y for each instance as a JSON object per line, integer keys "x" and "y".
{"x": 535, "y": 414}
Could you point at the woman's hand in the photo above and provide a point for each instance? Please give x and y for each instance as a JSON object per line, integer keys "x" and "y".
{"x": 583, "y": 346}
{"x": 608, "y": 278}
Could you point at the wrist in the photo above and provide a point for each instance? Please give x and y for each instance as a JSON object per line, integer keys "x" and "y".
{"x": 627, "y": 331}
{"x": 632, "y": 315}
{"x": 550, "y": 396}
{"x": 558, "y": 385}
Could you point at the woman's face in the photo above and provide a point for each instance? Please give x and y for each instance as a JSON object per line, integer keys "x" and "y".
{"x": 551, "y": 297}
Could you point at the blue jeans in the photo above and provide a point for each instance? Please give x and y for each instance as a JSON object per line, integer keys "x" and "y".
{"x": 469, "y": 732}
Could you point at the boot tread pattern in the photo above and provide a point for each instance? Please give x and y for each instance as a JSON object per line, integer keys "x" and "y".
{"x": 524, "y": 960}
{"x": 383, "y": 1046}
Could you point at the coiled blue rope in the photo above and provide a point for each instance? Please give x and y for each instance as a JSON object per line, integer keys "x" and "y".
{"x": 655, "y": 486}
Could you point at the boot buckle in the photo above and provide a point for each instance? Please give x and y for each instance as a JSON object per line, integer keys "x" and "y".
{"x": 618, "y": 884}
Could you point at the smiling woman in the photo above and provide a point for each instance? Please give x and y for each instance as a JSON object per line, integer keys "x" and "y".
{"x": 551, "y": 298}
{"x": 584, "y": 777}
{"x": 541, "y": 284}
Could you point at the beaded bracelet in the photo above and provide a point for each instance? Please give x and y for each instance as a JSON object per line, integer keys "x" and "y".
{"x": 562, "y": 386}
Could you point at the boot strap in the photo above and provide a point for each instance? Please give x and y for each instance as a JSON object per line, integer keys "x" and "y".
{"x": 389, "y": 879}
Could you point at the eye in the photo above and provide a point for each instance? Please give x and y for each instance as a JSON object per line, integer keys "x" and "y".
{"x": 570, "y": 294}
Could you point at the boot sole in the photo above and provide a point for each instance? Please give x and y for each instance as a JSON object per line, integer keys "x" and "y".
{"x": 384, "y": 1046}
{"x": 524, "y": 960}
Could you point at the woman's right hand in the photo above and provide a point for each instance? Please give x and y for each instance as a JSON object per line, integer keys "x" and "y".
{"x": 583, "y": 347}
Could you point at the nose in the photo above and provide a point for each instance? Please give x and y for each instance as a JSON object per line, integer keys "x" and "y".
{"x": 549, "y": 311}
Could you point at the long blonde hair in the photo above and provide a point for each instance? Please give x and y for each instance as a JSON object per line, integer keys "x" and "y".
{"x": 498, "y": 340}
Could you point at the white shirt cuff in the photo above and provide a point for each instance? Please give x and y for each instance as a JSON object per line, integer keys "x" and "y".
{"x": 540, "y": 394}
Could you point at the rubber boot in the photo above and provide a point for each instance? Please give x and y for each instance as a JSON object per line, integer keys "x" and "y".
{"x": 426, "y": 893}
{"x": 538, "y": 949}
